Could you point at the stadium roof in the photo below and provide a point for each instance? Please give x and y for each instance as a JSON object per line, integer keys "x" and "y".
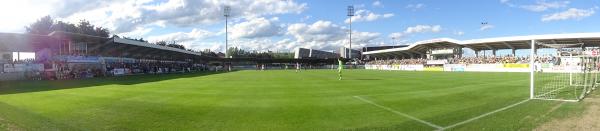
{"x": 13, "y": 42}
{"x": 498, "y": 43}
{"x": 148, "y": 45}
{"x": 95, "y": 45}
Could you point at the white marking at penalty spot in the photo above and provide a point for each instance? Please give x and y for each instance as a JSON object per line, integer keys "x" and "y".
{"x": 399, "y": 113}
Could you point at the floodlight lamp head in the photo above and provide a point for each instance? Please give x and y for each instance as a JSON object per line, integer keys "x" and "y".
{"x": 227, "y": 11}
{"x": 350, "y": 10}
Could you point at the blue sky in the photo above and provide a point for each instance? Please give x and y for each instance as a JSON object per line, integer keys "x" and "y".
{"x": 282, "y": 25}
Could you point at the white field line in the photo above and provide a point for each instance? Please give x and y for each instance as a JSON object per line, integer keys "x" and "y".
{"x": 399, "y": 113}
{"x": 564, "y": 100}
{"x": 484, "y": 115}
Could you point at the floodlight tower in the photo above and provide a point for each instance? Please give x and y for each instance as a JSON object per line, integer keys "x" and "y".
{"x": 226, "y": 13}
{"x": 350, "y": 14}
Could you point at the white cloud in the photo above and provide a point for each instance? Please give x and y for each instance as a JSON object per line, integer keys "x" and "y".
{"x": 365, "y": 15}
{"x": 126, "y": 16}
{"x": 415, "y": 7}
{"x": 507, "y": 2}
{"x": 396, "y": 35}
{"x": 542, "y": 5}
{"x": 305, "y": 18}
{"x": 319, "y": 31}
{"x": 571, "y": 13}
{"x": 416, "y": 29}
{"x": 139, "y": 32}
{"x": 325, "y": 35}
{"x": 194, "y": 35}
{"x": 364, "y": 37}
{"x": 423, "y": 28}
{"x": 459, "y": 33}
{"x": 486, "y": 27}
{"x": 28, "y": 12}
{"x": 257, "y": 28}
{"x": 377, "y": 4}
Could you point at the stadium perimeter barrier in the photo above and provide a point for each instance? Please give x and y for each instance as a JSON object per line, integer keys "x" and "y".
{"x": 292, "y": 67}
{"x": 508, "y": 67}
{"x": 19, "y": 71}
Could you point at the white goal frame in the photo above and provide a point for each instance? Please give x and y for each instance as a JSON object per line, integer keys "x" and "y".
{"x": 589, "y": 66}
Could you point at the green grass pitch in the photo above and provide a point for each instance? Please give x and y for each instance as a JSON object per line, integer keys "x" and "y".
{"x": 279, "y": 100}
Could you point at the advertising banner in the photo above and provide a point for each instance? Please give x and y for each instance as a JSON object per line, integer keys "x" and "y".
{"x": 22, "y": 67}
{"x": 515, "y": 65}
{"x": 454, "y": 67}
{"x": 436, "y": 62}
{"x": 82, "y": 59}
{"x": 484, "y": 67}
{"x": 119, "y": 71}
{"x": 434, "y": 69}
{"x": 396, "y": 67}
{"x": 412, "y": 67}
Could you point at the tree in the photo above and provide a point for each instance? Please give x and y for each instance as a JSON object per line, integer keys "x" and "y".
{"x": 43, "y": 26}
{"x": 46, "y": 25}
{"x": 209, "y": 53}
{"x": 161, "y": 43}
{"x": 238, "y": 52}
{"x": 102, "y": 32}
{"x": 84, "y": 27}
{"x": 63, "y": 26}
{"x": 282, "y": 55}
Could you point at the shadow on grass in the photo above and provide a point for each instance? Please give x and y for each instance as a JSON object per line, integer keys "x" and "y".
{"x": 18, "y": 117}
{"x": 14, "y": 87}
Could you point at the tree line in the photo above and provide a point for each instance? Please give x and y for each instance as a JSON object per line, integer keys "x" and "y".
{"x": 238, "y": 52}
{"x": 47, "y": 24}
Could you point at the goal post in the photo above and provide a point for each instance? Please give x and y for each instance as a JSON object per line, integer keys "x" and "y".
{"x": 568, "y": 75}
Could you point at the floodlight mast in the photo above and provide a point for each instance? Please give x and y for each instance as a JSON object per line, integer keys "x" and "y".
{"x": 226, "y": 13}
{"x": 350, "y": 14}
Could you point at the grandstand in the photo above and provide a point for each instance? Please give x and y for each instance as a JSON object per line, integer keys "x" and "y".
{"x": 568, "y": 74}
{"x": 446, "y": 52}
{"x": 424, "y": 49}
{"x": 63, "y": 55}
{"x": 312, "y": 53}
{"x": 345, "y": 53}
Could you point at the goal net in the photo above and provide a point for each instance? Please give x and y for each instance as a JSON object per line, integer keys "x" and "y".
{"x": 569, "y": 75}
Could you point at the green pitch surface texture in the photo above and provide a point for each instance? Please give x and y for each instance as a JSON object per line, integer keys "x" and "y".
{"x": 280, "y": 100}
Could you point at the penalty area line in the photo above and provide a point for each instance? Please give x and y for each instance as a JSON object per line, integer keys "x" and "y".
{"x": 399, "y": 113}
{"x": 484, "y": 115}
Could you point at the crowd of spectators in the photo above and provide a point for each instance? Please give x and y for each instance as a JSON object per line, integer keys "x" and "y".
{"x": 398, "y": 61}
{"x": 488, "y": 60}
{"x": 154, "y": 67}
{"x": 33, "y": 70}
{"x": 466, "y": 60}
{"x": 24, "y": 61}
